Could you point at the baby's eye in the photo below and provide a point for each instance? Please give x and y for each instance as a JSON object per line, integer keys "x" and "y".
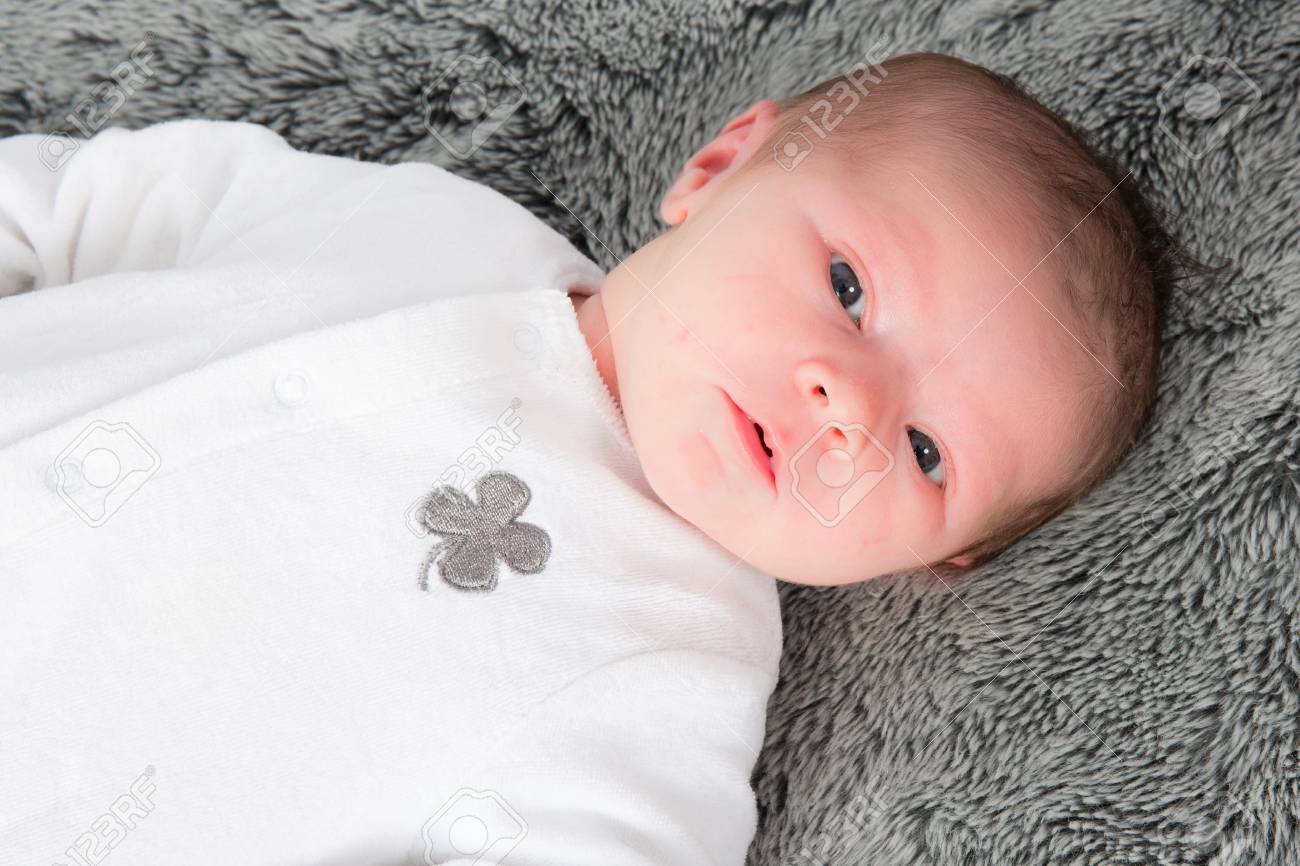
{"x": 927, "y": 455}
{"x": 847, "y": 288}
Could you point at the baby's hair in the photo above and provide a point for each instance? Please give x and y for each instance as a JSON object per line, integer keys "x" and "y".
{"x": 1109, "y": 250}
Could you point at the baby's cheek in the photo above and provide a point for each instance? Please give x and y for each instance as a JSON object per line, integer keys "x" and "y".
{"x": 675, "y": 456}
{"x": 696, "y": 463}
{"x": 872, "y": 529}
{"x": 869, "y": 538}
{"x": 671, "y": 329}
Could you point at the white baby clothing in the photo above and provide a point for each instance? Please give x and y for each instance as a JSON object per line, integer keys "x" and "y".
{"x": 323, "y": 541}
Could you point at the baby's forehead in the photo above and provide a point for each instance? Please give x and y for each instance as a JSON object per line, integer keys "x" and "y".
{"x": 972, "y": 183}
{"x": 937, "y": 210}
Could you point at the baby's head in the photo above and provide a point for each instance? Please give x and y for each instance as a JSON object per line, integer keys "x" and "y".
{"x": 932, "y": 304}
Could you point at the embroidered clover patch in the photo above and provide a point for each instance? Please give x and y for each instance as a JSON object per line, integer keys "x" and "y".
{"x": 475, "y": 534}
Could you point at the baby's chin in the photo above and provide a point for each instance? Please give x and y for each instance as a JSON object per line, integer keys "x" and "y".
{"x": 752, "y": 537}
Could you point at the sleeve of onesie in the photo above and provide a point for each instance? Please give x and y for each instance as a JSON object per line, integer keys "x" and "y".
{"x": 644, "y": 761}
{"x": 171, "y": 195}
{"x": 213, "y": 194}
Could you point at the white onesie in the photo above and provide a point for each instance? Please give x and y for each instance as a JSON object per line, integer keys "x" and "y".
{"x": 235, "y": 625}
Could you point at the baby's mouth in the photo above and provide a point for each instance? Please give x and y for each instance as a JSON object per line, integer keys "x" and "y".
{"x": 761, "y": 440}
{"x": 762, "y": 443}
{"x": 750, "y": 436}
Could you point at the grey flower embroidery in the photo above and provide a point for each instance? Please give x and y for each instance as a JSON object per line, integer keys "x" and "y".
{"x": 475, "y": 534}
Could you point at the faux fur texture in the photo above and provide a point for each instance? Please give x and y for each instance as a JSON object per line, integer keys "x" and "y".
{"x": 1121, "y": 687}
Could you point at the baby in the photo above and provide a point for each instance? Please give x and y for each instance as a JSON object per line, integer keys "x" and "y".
{"x": 353, "y": 516}
{"x": 947, "y": 334}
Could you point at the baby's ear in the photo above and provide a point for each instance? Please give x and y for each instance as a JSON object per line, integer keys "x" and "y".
{"x": 728, "y": 150}
{"x": 961, "y": 561}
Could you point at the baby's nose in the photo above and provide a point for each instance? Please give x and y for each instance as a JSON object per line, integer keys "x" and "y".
{"x": 837, "y": 396}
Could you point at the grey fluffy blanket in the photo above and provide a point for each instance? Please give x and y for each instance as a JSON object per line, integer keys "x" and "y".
{"x": 1124, "y": 685}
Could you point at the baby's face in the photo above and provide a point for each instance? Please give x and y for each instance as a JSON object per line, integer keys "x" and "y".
{"x": 905, "y": 388}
